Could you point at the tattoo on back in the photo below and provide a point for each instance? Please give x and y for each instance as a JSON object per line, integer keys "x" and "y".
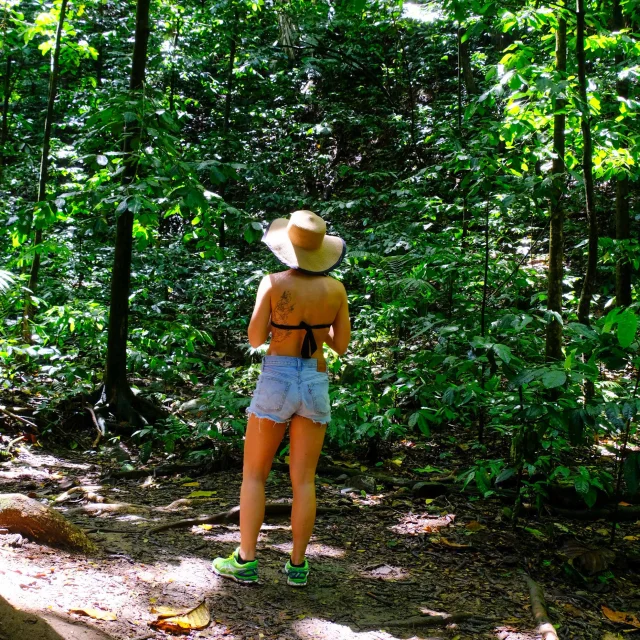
{"x": 281, "y": 312}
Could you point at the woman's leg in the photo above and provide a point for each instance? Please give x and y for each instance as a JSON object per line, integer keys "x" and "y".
{"x": 306, "y": 439}
{"x": 260, "y": 445}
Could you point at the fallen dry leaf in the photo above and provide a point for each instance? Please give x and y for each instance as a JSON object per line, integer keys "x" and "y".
{"x": 621, "y": 617}
{"x": 454, "y": 545}
{"x": 206, "y": 527}
{"x": 96, "y": 614}
{"x": 474, "y": 525}
{"x": 572, "y": 610}
{"x": 175, "y": 621}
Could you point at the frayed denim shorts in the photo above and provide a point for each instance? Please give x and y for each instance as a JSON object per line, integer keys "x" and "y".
{"x": 288, "y": 386}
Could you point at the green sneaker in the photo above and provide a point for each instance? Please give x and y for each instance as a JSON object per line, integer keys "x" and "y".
{"x": 246, "y": 573}
{"x": 296, "y": 576}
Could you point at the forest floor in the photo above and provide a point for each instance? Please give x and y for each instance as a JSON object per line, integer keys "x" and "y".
{"x": 381, "y": 559}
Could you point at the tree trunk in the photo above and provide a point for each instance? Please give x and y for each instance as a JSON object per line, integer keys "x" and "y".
{"x": 232, "y": 61}
{"x": 44, "y": 172}
{"x": 623, "y": 227}
{"x": 465, "y": 63}
{"x": 287, "y": 33}
{"x": 553, "y": 349}
{"x": 172, "y": 87}
{"x": 584, "y": 306}
{"x": 117, "y": 393}
{"x": 4, "y": 131}
{"x": 28, "y": 517}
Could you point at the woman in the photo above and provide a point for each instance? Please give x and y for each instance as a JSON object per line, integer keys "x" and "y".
{"x": 302, "y": 309}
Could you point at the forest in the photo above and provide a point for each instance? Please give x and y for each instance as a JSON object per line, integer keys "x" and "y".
{"x": 481, "y": 472}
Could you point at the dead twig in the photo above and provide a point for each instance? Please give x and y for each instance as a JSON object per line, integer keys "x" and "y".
{"x": 17, "y": 417}
{"x": 14, "y": 441}
{"x": 539, "y": 610}
{"x": 95, "y": 422}
{"x": 435, "y": 621}
{"x": 272, "y": 510}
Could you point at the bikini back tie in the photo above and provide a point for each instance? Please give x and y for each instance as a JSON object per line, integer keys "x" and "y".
{"x": 309, "y": 344}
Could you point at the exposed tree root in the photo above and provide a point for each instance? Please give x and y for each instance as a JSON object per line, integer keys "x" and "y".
{"x": 163, "y": 470}
{"x": 110, "y": 507}
{"x": 23, "y": 515}
{"x": 434, "y": 621}
{"x": 539, "y": 610}
{"x": 272, "y": 510}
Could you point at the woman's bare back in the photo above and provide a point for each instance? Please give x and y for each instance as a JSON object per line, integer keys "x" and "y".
{"x": 297, "y": 297}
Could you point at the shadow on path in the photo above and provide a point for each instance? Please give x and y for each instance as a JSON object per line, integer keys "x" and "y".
{"x": 23, "y": 625}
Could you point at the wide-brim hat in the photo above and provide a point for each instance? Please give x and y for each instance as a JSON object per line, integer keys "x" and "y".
{"x": 301, "y": 243}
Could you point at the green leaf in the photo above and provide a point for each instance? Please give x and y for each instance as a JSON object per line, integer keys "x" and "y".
{"x": 582, "y": 486}
{"x": 627, "y": 327}
{"x": 553, "y": 378}
{"x": 583, "y": 330}
{"x": 122, "y": 207}
{"x": 503, "y": 352}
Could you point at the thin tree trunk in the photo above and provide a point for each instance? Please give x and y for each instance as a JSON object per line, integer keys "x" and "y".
{"x": 232, "y": 61}
{"x": 623, "y": 227}
{"x": 44, "y": 171}
{"x": 459, "y": 90}
{"x": 465, "y": 63}
{"x": 172, "y": 88}
{"x": 4, "y": 131}
{"x": 287, "y": 33}
{"x": 118, "y": 394}
{"x": 584, "y": 306}
{"x": 553, "y": 349}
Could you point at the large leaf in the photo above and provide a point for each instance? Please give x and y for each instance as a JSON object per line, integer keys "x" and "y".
{"x": 627, "y": 327}
{"x": 553, "y": 378}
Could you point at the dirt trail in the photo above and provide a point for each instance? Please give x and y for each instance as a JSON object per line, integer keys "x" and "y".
{"x": 380, "y": 559}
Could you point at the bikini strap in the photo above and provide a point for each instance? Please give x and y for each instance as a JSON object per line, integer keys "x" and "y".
{"x": 309, "y": 344}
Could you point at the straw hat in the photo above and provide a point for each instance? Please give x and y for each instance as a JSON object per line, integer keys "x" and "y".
{"x": 301, "y": 243}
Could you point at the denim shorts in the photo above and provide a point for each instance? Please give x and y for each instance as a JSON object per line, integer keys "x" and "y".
{"x": 289, "y": 386}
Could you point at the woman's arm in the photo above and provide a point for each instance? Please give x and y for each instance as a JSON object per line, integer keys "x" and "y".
{"x": 340, "y": 332}
{"x": 261, "y": 316}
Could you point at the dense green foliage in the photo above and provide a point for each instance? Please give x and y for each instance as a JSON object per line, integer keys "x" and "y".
{"x": 422, "y": 133}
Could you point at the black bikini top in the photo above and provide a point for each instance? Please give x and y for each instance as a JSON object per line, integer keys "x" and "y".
{"x": 309, "y": 344}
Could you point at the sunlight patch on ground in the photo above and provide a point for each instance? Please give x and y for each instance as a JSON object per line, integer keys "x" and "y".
{"x": 385, "y": 572}
{"x": 317, "y": 629}
{"x": 314, "y": 550}
{"x": 415, "y": 524}
{"x": 508, "y": 633}
{"x": 231, "y": 537}
{"x": 415, "y": 11}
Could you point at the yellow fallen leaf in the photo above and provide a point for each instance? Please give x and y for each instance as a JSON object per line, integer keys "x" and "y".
{"x": 624, "y": 504}
{"x": 397, "y": 461}
{"x": 474, "y": 525}
{"x": 96, "y": 614}
{"x": 183, "y": 621}
{"x": 191, "y": 484}
{"x": 631, "y": 538}
{"x": 429, "y": 500}
{"x": 202, "y": 494}
{"x": 621, "y": 617}
{"x": 206, "y": 527}
{"x": 453, "y": 545}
